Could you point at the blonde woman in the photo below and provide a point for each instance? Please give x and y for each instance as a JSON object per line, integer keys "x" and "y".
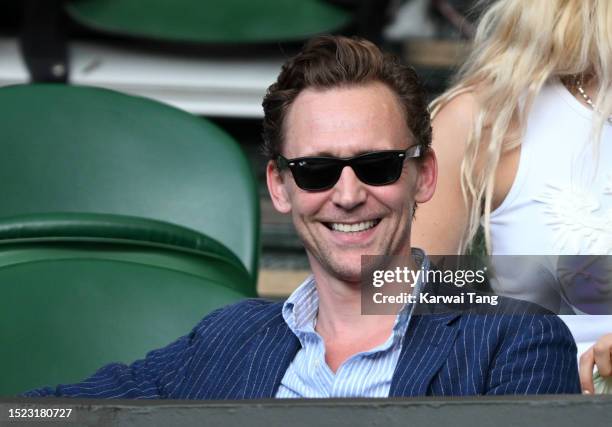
{"x": 524, "y": 137}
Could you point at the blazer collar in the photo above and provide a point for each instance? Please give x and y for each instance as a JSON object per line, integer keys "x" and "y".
{"x": 426, "y": 346}
{"x": 270, "y": 355}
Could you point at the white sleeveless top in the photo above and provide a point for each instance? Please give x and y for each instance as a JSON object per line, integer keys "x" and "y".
{"x": 561, "y": 200}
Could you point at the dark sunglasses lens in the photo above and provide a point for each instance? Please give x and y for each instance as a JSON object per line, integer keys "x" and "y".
{"x": 316, "y": 174}
{"x": 378, "y": 168}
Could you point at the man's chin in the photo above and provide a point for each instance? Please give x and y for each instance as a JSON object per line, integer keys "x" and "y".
{"x": 352, "y": 280}
{"x": 349, "y": 271}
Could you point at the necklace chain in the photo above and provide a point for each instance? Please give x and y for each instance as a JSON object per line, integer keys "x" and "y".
{"x": 586, "y": 97}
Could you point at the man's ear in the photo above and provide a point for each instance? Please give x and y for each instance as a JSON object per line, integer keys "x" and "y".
{"x": 277, "y": 188}
{"x": 427, "y": 168}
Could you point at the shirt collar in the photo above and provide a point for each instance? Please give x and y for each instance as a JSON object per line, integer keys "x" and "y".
{"x": 300, "y": 309}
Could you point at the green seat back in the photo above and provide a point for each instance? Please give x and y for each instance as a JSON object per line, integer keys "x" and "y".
{"x": 87, "y": 150}
{"x": 93, "y": 293}
{"x": 210, "y": 21}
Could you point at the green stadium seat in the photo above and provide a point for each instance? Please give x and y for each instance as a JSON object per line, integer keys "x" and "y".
{"x": 80, "y": 150}
{"x": 210, "y": 21}
{"x": 78, "y": 291}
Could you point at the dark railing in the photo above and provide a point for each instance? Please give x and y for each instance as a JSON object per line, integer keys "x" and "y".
{"x": 524, "y": 411}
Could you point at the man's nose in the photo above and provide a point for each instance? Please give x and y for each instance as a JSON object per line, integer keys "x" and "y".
{"x": 349, "y": 192}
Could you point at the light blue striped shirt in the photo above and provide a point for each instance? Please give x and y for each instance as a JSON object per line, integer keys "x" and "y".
{"x": 365, "y": 374}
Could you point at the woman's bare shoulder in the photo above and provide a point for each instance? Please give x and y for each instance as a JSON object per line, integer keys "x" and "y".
{"x": 456, "y": 118}
{"x": 461, "y": 106}
{"x": 452, "y": 125}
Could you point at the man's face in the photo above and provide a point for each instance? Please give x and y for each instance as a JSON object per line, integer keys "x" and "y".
{"x": 351, "y": 219}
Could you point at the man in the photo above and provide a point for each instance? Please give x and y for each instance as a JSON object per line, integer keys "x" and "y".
{"x": 347, "y": 134}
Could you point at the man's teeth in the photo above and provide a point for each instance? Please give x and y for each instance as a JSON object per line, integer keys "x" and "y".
{"x": 352, "y": 228}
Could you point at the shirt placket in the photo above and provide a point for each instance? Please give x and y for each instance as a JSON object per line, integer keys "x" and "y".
{"x": 341, "y": 385}
{"x": 322, "y": 374}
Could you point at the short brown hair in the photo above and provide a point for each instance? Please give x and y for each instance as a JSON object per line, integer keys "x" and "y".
{"x": 334, "y": 61}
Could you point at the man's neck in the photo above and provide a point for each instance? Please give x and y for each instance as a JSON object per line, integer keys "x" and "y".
{"x": 345, "y": 331}
{"x": 340, "y": 322}
{"x": 340, "y": 309}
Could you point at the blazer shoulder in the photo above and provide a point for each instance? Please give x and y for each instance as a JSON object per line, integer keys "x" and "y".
{"x": 249, "y": 315}
{"x": 522, "y": 318}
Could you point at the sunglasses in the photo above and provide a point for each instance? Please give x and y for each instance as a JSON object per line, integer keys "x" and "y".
{"x": 322, "y": 173}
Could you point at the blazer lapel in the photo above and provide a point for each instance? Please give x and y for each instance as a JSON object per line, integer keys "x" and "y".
{"x": 428, "y": 341}
{"x": 270, "y": 355}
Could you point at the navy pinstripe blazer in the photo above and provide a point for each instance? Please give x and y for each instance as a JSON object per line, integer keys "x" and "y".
{"x": 242, "y": 352}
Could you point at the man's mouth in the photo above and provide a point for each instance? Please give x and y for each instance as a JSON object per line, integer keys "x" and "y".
{"x": 352, "y": 228}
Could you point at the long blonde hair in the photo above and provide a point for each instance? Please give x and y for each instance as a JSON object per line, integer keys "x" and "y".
{"x": 520, "y": 45}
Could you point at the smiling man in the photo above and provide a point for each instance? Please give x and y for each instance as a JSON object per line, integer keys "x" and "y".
{"x": 347, "y": 134}
{"x": 349, "y": 217}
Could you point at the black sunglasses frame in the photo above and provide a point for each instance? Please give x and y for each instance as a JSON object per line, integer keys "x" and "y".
{"x": 334, "y": 166}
